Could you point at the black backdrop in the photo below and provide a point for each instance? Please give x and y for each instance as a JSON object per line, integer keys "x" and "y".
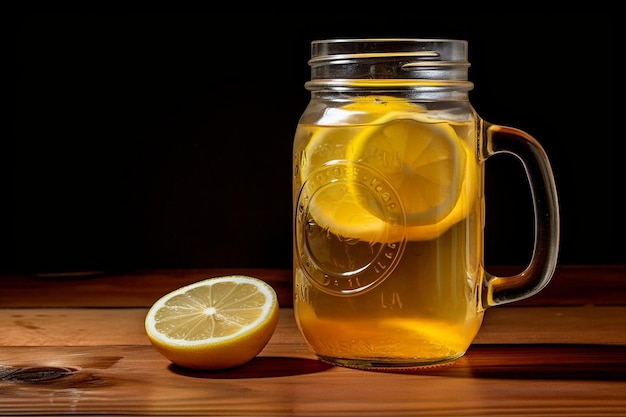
{"x": 150, "y": 141}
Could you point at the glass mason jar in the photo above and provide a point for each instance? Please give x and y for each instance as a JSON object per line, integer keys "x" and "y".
{"x": 389, "y": 209}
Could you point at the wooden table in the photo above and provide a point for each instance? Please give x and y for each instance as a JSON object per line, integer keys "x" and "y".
{"x": 75, "y": 345}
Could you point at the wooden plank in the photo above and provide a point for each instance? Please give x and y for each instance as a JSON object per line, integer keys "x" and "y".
{"x": 94, "y": 327}
{"x": 601, "y": 325}
{"x": 577, "y": 285}
{"x": 123, "y": 289}
{"x": 120, "y": 326}
{"x": 513, "y": 380}
{"x": 571, "y": 285}
{"x": 527, "y": 361}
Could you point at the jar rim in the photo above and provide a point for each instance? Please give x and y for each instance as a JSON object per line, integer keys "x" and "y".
{"x": 443, "y": 49}
{"x": 389, "y": 59}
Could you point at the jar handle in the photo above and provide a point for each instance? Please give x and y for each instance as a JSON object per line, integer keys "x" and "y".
{"x": 538, "y": 273}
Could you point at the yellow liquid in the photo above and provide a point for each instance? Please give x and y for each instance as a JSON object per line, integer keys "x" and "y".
{"x": 386, "y": 303}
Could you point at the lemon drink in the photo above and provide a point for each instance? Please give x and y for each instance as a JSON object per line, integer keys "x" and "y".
{"x": 387, "y": 227}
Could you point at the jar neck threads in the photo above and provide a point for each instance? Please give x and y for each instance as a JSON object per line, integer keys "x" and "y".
{"x": 389, "y": 64}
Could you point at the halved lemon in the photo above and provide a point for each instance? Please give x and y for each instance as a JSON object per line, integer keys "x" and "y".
{"x": 217, "y": 323}
{"x": 425, "y": 162}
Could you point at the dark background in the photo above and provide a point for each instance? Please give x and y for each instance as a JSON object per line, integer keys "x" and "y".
{"x": 162, "y": 141}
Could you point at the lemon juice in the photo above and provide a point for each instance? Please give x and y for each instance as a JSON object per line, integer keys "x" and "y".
{"x": 388, "y": 226}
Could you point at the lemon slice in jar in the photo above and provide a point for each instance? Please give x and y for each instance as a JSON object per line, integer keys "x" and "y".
{"x": 428, "y": 165}
{"x": 423, "y": 159}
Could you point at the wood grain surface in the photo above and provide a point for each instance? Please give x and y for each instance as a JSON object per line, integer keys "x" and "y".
{"x": 76, "y": 346}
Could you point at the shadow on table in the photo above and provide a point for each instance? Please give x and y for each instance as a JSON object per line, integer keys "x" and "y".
{"x": 260, "y": 367}
{"x": 503, "y": 361}
{"x": 532, "y": 361}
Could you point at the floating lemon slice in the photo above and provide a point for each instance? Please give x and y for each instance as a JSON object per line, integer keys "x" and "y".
{"x": 216, "y": 323}
{"x": 335, "y": 130}
{"x": 423, "y": 160}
